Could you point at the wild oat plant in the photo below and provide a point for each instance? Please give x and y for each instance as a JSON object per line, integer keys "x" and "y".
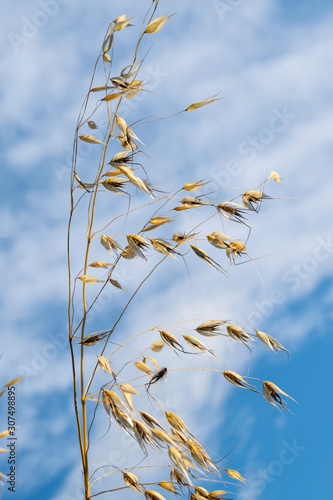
{"x": 126, "y": 229}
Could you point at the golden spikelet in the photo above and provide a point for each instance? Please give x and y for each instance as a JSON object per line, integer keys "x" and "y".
{"x": 200, "y": 104}
{"x": 219, "y": 240}
{"x": 166, "y": 485}
{"x": 210, "y": 328}
{"x": 110, "y": 244}
{"x": 153, "y": 495}
{"x": 171, "y": 340}
{"x": 237, "y": 380}
{"x": 143, "y": 434}
{"x": 270, "y": 341}
{"x": 217, "y": 494}
{"x": 275, "y": 176}
{"x": 181, "y": 238}
{"x": 143, "y": 367}
{"x": 237, "y": 333}
{"x": 234, "y": 474}
{"x": 232, "y": 211}
{"x": 105, "y": 364}
{"x": 132, "y": 481}
{"x": 200, "y": 253}
{"x": 193, "y": 186}
{"x": 156, "y": 24}
{"x": 180, "y": 478}
{"x": 100, "y": 263}
{"x": 163, "y": 247}
{"x": 157, "y": 346}
{"x": 252, "y": 199}
{"x": 159, "y": 435}
{"x": 137, "y": 244}
{"x": 272, "y": 393}
{"x": 193, "y": 342}
{"x": 176, "y": 421}
{"x": 148, "y": 419}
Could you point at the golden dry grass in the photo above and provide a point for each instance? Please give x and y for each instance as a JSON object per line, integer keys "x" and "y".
{"x": 129, "y": 179}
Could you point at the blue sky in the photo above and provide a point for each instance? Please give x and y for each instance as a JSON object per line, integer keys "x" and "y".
{"x": 271, "y": 60}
